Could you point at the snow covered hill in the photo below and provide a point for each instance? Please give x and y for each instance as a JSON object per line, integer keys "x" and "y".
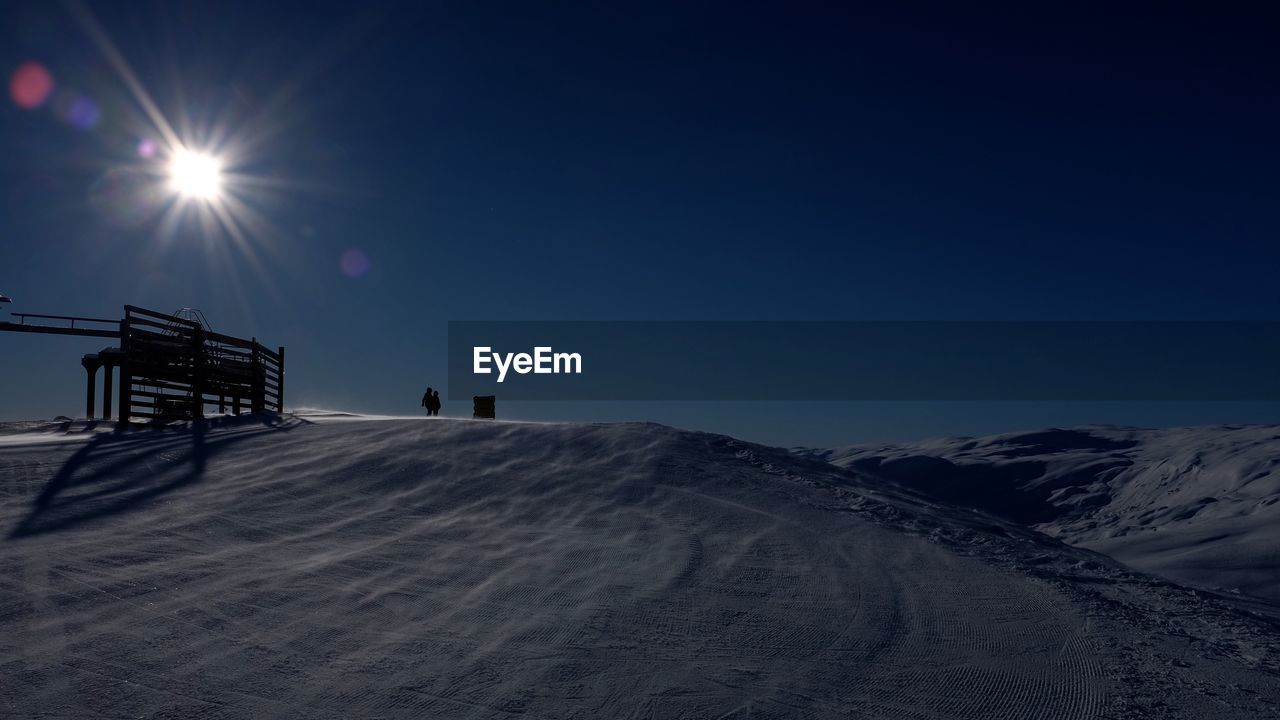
{"x": 1200, "y": 505}
{"x": 343, "y": 567}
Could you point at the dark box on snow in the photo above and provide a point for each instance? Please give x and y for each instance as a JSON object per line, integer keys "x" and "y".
{"x": 484, "y": 406}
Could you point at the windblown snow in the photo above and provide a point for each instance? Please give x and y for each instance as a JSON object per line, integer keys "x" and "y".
{"x": 335, "y": 568}
{"x": 1199, "y": 505}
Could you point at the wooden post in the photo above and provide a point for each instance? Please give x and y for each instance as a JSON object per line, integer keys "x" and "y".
{"x": 197, "y": 373}
{"x": 90, "y": 364}
{"x": 126, "y": 372}
{"x": 280, "y": 381}
{"x": 257, "y": 402}
{"x": 106, "y": 389}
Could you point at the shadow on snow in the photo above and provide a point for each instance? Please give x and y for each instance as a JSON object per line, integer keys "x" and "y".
{"x": 114, "y": 473}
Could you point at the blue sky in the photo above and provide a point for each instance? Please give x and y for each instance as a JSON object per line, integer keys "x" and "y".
{"x": 592, "y": 161}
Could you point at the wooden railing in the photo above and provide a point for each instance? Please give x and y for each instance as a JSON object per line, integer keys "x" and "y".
{"x": 89, "y": 327}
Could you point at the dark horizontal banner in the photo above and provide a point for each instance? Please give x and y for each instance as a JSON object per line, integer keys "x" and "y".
{"x": 924, "y": 360}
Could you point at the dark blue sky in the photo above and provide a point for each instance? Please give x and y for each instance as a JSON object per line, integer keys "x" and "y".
{"x": 657, "y": 161}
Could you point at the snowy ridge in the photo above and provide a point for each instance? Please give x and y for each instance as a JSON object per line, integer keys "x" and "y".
{"x": 438, "y": 568}
{"x": 1201, "y": 505}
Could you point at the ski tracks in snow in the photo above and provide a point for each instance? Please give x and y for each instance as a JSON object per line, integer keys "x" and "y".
{"x": 402, "y": 569}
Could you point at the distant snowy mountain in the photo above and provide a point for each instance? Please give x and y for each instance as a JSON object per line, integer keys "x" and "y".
{"x": 1199, "y": 504}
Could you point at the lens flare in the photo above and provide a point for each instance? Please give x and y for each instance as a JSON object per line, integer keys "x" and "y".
{"x": 83, "y": 113}
{"x": 30, "y": 85}
{"x": 354, "y": 263}
{"x": 195, "y": 175}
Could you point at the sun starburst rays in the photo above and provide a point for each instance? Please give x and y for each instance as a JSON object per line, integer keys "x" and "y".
{"x": 200, "y": 171}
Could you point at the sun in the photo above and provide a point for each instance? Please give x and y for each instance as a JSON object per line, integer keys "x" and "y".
{"x": 195, "y": 175}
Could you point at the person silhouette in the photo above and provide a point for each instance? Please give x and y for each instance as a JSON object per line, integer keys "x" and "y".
{"x": 435, "y": 403}
{"x": 427, "y": 400}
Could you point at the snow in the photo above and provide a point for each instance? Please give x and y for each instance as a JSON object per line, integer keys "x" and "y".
{"x": 1200, "y": 505}
{"x": 407, "y": 568}
{"x": 40, "y": 431}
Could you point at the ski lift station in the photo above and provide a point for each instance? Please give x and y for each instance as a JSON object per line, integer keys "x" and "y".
{"x": 171, "y": 366}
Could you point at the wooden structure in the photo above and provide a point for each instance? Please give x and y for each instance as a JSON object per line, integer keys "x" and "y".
{"x": 171, "y": 367}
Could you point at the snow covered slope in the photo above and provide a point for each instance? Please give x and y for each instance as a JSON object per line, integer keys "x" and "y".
{"x": 1200, "y": 505}
{"x": 344, "y": 568}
